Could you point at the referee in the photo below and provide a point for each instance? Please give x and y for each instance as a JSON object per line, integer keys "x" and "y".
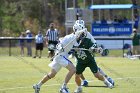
{"x": 52, "y": 38}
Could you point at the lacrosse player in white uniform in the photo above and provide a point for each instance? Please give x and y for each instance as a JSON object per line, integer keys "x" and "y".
{"x": 60, "y": 60}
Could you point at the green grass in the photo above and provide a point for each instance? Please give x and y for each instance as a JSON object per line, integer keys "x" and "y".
{"x": 18, "y": 74}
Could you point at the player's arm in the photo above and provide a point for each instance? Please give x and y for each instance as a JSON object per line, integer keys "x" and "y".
{"x": 91, "y": 37}
{"x": 95, "y": 48}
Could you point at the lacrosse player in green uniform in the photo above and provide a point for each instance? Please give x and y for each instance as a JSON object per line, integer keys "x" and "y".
{"x": 86, "y": 59}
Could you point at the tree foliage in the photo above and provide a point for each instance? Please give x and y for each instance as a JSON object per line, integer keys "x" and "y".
{"x": 19, "y": 15}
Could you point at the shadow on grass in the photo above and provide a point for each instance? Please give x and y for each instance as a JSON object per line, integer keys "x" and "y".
{"x": 96, "y": 86}
{"x": 100, "y": 86}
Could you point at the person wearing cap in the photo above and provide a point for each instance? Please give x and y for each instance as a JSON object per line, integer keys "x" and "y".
{"x": 52, "y": 38}
{"x": 29, "y": 42}
{"x": 135, "y": 42}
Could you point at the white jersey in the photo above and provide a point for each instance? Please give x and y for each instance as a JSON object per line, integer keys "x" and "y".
{"x": 67, "y": 44}
{"x": 90, "y": 37}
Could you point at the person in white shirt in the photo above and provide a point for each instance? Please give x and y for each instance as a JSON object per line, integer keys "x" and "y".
{"x": 61, "y": 60}
{"x": 39, "y": 44}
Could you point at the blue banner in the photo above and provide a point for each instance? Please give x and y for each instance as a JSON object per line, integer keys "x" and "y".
{"x": 111, "y": 29}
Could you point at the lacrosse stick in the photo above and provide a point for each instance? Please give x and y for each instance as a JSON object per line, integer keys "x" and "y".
{"x": 101, "y": 50}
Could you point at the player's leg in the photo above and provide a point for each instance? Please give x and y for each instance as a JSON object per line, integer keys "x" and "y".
{"x": 78, "y": 83}
{"x": 71, "y": 72}
{"x": 95, "y": 71}
{"x": 55, "y": 67}
{"x": 44, "y": 79}
{"x": 84, "y": 81}
{"x": 79, "y": 70}
{"x": 69, "y": 75}
{"x": 102, "y": 72}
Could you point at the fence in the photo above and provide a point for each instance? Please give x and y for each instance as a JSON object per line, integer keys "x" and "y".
{"x": 10, "y": 45}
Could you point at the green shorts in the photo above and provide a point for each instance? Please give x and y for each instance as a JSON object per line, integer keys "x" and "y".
{"x": 81, "y": 67}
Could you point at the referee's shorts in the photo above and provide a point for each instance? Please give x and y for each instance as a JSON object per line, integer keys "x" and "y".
{"x": 39, "y": 46}
{"x": 52, "y": 42}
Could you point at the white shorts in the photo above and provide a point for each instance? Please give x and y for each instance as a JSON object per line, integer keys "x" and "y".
{"x": 59, "y": 62}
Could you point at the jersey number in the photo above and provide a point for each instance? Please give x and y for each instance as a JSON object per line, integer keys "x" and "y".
{"x": 82, "y": 55}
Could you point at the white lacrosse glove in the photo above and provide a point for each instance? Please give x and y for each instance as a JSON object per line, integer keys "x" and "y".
{"x": 59, "y": 48}
{"x": 100, "y": 50}
{"x": 93, "y": 48}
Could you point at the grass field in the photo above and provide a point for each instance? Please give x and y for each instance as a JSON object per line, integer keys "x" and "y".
{"x": 18, "y": 74}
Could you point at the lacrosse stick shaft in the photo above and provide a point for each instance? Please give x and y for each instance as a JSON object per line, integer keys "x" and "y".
{"x": 80, "y": 49}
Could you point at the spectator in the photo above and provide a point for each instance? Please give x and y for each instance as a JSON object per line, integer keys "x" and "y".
{"x": 39, "y": 44}
{"x": 120, "y": 20}
{"x": 103, "y": 21}
{"x": 135, "y": 40}
{"x": 125, "y": 20}
{"x": 136, "y": 24}
{"x": 52, "y": 38}
{"x": 21, "y": 42}
{"x": 29, "y": 42}
{"x": 115, "y": 19}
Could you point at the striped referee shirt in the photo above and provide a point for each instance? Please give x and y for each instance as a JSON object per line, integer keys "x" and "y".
{"x": 52, "y": 35}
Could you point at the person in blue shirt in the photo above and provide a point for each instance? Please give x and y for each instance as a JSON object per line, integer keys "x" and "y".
{"x": 39, "y": 44}
{"x": 136, "y": 19}
{"x": 29, "y": 42}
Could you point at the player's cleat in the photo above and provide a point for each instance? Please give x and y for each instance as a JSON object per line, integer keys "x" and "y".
{"x": 64, "y": 90}
{"x": 108, "y": 84}
{"x": 111, "y": 81}
{"x": 84, "y": 83}
{"x": 78, "y": 90}
{"x": 36, "y": 88}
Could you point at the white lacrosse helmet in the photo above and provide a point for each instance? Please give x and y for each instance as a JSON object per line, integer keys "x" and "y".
{"x": 78, "y": 26}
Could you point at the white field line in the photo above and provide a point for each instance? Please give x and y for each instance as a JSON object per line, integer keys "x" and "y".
{"x": 14, "y": 88}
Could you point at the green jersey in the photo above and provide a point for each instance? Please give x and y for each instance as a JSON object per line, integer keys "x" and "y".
{"x": 84, "y": 56}
{"x": 136, "y": 39}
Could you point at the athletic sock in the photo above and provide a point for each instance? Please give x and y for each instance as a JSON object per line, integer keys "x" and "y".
{"x": 64, "y": 85}
{"x": 79, "y": 86}
{"x": 40, "y": 84}
{"x": 102, "y": 72}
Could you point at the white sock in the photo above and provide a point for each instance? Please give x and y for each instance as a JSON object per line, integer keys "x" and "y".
{"x": 79, "y": 86}
{"x": 64, "y": 85}
{"x": 102, "y": 72}
{"x": 39, "y": 84}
